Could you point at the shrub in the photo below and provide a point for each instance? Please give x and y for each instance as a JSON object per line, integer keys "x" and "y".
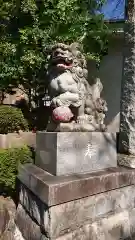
{"x": 12, "y": 120}
{"x": 9, "y": 162}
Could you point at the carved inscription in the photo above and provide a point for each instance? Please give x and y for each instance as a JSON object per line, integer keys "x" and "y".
{"x": 90, "y": 149}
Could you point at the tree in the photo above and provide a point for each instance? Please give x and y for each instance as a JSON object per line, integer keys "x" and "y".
{"x": 8, "y": 61}
{"x": 28, "y": 27}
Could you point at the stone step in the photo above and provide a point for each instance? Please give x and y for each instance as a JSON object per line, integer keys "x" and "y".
{"x": 54, "y": 190}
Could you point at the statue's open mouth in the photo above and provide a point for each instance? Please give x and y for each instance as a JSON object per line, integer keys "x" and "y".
{"x": 63, "y": 63}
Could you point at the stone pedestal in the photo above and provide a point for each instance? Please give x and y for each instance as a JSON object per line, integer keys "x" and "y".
{"x": 64, "y": 153}
{"x": 96, "y": 206}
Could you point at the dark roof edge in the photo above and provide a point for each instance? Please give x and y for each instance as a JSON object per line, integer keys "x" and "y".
{"x": 114, "y": 21}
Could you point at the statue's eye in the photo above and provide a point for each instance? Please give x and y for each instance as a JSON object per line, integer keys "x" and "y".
{"x": 80, "y": 72}
{"x": 56, "y": 53}
{"x": 75, "y": 62}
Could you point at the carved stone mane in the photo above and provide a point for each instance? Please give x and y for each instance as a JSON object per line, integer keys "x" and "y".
{"x": 76, "y": 105}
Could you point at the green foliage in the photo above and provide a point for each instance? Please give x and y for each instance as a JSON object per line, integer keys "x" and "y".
{"x": 9, "y": 162}
{"x": 8, "y": 61}
{"x": 12, "y": 120}
{"x": 28, "y": 27}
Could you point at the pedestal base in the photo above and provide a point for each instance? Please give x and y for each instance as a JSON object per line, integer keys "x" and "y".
{"x": 97, "y": 206}
{"x": 120, "y": 225}
{"x": 75, "y": 152}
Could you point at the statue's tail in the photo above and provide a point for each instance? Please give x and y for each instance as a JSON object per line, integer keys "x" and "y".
{"x": 94, "y": 103}
{"x": 97, "y": 88}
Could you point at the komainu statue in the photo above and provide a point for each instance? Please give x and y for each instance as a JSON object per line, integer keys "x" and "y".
{"x": 75, "y": 104}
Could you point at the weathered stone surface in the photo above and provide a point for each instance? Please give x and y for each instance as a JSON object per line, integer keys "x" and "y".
{"x": 10, "y": 209}
{"x": 38, "y": 210}
{"x": 132, "y": 223}
{"x": 113, "y": 227}
{"x": 75, "y": 214}
{"x": 126, "y": 160}
{"x": 28, "y": 228}
{"x": 17, "y": 234}
{"x": 66, "y": 153}
{"x": 4, "y": 218}
{"x": 54, "y": 190}
{"x": 127, "y": 143}
{"x": 127, "y": 110}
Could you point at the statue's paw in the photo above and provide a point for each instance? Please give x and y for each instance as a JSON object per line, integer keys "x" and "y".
{"x": 56, "y": 102}
{"x": 59, "y": 103}
{"x": 84, "y": 119}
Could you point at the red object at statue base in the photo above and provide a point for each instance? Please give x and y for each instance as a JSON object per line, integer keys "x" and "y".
{"x": 62, "y": 114}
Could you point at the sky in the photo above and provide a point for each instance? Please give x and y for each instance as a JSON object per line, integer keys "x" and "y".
{"x": 114, "y": 10}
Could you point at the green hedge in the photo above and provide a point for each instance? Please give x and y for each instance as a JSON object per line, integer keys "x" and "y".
{"x": 12, "y": 120}
{"x": 9, "y": 162}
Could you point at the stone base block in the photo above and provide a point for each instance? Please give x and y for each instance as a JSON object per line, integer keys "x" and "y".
{"x": 110, "y": 227}
{"x": 56, "y": 221}
{"x": 29, "y": 229}
{"x": 64, "y": 153}
{"x": 96, "y": 206}
{"x": 126, "y": 160}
